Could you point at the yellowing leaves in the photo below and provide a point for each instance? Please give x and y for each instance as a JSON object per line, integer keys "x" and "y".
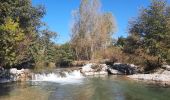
{"x": 12, "y": 30}
{"x": 11, "y": 36}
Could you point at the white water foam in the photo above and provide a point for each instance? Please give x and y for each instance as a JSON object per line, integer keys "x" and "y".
{"x": 69, "y": 77}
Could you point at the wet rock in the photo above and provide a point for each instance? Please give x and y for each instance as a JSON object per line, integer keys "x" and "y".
{"x": 127, "y": 69}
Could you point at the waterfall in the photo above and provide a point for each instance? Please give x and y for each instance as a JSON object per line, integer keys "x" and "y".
{"x": 59, "y": 77}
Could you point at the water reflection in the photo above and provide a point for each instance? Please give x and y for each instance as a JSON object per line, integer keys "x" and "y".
{"x": 5, "y": 89}
{"x": 94, "y": 88}
{"x": 21, "y": 91}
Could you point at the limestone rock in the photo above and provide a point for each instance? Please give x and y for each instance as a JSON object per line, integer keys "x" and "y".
{"x": 167, "y": 67}
{"x": 151, "y": 77}
{"x": 94, "y": 69}
{"x": 19, "y": 75}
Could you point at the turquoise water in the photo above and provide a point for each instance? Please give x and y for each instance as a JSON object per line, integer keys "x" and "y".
{"x": 91, "y": 88}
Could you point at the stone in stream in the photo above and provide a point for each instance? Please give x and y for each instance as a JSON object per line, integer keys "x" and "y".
{"x": 19, "y": 75}
{"x": 114, "y": 69}
{"x": 160, "y": 75}
{"x": 94, "y": 69}
{"x": 127, "y": 69}
{"x": 98, "y": 69}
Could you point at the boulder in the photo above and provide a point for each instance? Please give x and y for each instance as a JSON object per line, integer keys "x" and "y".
{"x": 19, "y": 75}
{"x": 113, "y": 71}
{"x": 127, "y": 69}
{"x": 13, "y": 71}
{"x": 94, "y": 69}
{"x": 99, "y": 69}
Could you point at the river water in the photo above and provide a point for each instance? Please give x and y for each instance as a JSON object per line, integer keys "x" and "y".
{"x": 76, "y": 87}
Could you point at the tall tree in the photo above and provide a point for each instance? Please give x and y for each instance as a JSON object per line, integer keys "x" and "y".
{"x": 18, "y": 16}
{"x": 151, "y": 30}
{"x": 43, "y": 50}
{"x": 92, "y": 29}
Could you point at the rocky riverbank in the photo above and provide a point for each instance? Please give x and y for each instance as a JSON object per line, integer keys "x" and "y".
{"x": 160, "y": 75}
{"x": 115, "y": 69}
{"x": 9, "y": 75}
{"x": 129, "y": 70}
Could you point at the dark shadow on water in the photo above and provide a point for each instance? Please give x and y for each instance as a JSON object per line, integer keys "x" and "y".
{"x": 5, "y": 88}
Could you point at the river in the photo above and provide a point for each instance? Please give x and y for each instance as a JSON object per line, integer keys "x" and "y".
{"x": 48, "y": 87}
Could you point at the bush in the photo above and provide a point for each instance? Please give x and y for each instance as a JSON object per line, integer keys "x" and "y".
{"x": 65, "y": 55}
{"x": 114, "y": 54}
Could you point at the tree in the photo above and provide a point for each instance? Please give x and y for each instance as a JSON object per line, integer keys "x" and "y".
{"x": 121, "y": 42}
{"x": 28, "y": 16}
{"x": 64, "y": 55}
{"x": 150, "y": 31}
{"x": 92, "y": 29}
{"x": 18, "y": 17}
{"x": 43, "y": 49}
{"x": 11, "y": 37}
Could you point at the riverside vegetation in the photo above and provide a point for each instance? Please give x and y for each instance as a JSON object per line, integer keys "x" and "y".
{"x": 26, "y": 41}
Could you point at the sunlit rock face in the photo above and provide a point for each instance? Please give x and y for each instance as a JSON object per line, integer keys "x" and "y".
{"x": 167, "y": 67}
{"x": 20, "y": 75}
{"x": 114, "y": 69}
{"x": 9, "y": 75}
{"x": 94, "y": 69}
{"x": 160, "y": 75}
{"x": 151, "y": 77}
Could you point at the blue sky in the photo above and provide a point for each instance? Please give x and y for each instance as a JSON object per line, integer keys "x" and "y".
{"x": 59, "y": 14}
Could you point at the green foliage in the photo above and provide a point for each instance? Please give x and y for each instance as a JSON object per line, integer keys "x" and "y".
{"x": 11, "y": 37}
{"x": 22, "y": 10}
{"x": 43, "y": 50}
{"x": 121, "y": 42}
{"x": 150, "y": 34}
{"x": 20, "y": 34}
{"x": 65, "y": 55}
